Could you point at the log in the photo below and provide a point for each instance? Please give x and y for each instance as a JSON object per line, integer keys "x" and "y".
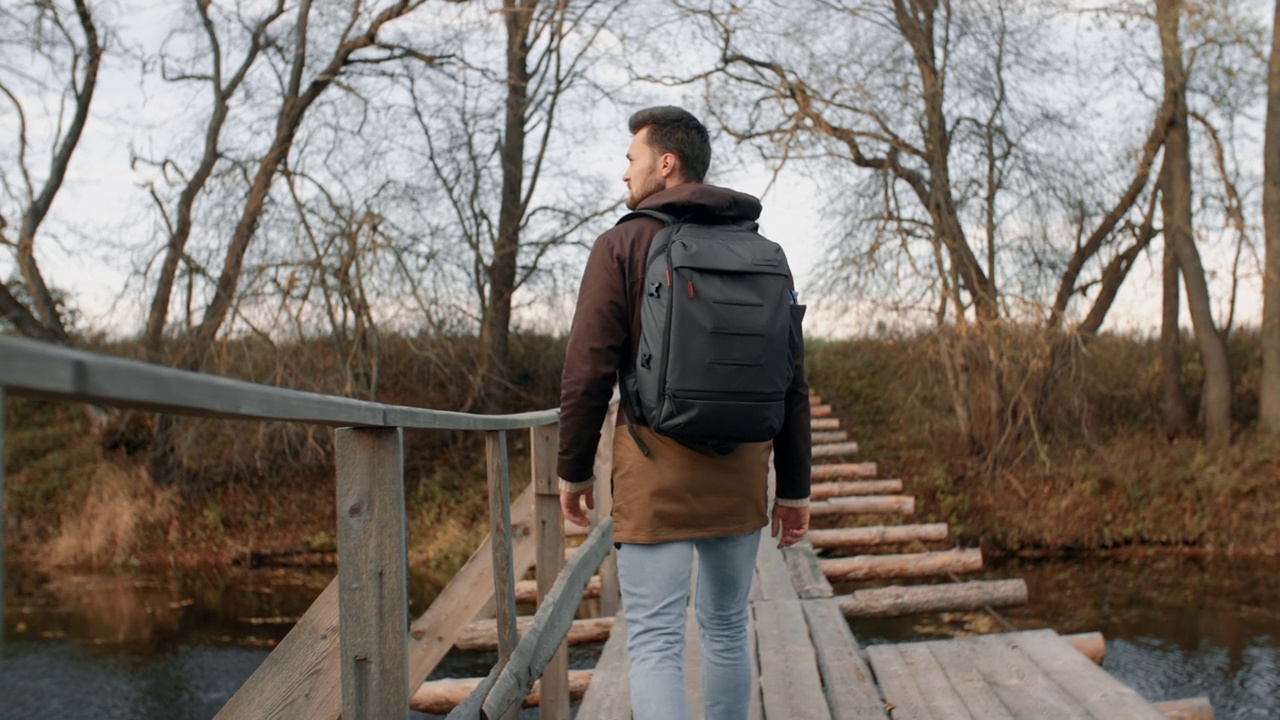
{"x": 483, "y": 635}
{"x": 1091, "y": 645}
{"x": 825, "y": 490}
{"x": 824, "y": 424}
{"x": 819, "y": 411}
{"x": 897, "y": 600}
{"x": 843, "y": 471}
{"x": 877, "y": 535}
{"x": 821, "y": 437}
{"x": 815, "y": 399}
{"x": 907, "y": 565}
{"x": 440, "y": 696}
{"x": 866, "y": 505}
{"x": 835, "y": 449}
{"x": 1190, "y": 709}
{"x": 527, "y": 590}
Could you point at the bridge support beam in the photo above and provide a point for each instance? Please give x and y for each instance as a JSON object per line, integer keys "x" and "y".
{"x": 373, "y": 597}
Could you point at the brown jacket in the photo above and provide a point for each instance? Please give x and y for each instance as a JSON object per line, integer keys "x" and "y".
{"x": 677, "y": 493}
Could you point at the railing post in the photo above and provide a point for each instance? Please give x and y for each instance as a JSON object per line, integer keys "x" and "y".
{"x": 504, "y": 582}
{"x": 544, "y": 444}
{"x": 610, "y": 591}
{"x": 373, "y": 600}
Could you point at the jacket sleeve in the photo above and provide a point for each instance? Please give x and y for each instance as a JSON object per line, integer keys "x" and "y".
{"x": 597, "y": 339}
{"x": 792, "y": 448}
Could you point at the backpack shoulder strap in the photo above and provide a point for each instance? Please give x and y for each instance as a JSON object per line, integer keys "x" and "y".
{"x": 665, "y": 218}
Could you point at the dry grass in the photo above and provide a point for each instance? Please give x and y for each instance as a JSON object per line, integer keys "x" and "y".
{"x": 110, "y": 525}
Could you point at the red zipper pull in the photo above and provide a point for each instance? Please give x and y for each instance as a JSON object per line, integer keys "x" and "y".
{"x": 690, "y": 288}
{"x": 668, "y": 277}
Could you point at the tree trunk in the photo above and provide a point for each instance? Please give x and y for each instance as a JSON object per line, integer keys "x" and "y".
{"x": 495, "y": 327}
{"x": 1177, "y": 418}
{"x": 1269, "y": 393}
{"x": 1216, "y": 399}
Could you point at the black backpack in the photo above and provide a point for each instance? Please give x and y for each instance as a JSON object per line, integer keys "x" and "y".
{"x": 719, "y": 330}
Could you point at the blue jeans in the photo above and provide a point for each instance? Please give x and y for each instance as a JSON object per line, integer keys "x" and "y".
{"x": 655, "y": 593}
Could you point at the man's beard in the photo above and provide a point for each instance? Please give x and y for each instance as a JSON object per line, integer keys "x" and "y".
{"x": 650, "y": 187}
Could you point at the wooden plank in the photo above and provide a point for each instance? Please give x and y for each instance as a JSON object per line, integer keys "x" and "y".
{"x": 806, "y": 575}
{"x": 549, "y": 626}
{"x": 771, "y": 568}
{"x": 373, "y": 574}
{"x": 1019, "y": 683}
{"x": 851, "y": 693}
{"x": 838, "y": 488}
{"x": 527, "y": 590}
{"x": 822, "y": 437}
{"x": 843, "y": 471}
{"x": 901, "y": 565}
{"x": 483, "y": 634}
{"x": 956, "y": 660}
{"x": 899, "y": 685}
{"x": 877, "y": 535}
{"x": 38, "y": 369}
{"x": 896, "y": 600}
{"x": 940, "y": 697}
{"x": 1092, "y": 645}
{"x": 443, "y": 696}
{"x": 835, "y": 449}
{"x": 504, "y": 579}
{"x": 864, "y": 505}
{"x": 1097, "y": 691}
{"x": 609, "y": 697}
{"x": 1189, "y": 709}
{"x": 824, "y": 424}
{"x": 544, "y": 444}
{"x": 820, "y": 411}
{"x": 790, "y": 682}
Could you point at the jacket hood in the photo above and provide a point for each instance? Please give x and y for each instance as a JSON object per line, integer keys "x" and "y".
{"x": 706, "y": 204}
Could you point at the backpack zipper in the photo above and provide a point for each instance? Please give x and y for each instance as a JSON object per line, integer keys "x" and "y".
{"x": 666, "y": 329}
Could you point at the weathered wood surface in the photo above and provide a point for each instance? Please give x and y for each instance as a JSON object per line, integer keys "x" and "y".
{"x": 864, "y": 505}
{"x": 828, "y": 436}
{"x": 899, "y": 685}
{"x": 1189, "y": 709}
{"x": 877, "y": 535}
{"x": 907, "y": 565}
{"x": 843, "y": 471}
{"x": 38, "y": 369}
{"x": 773, "y": 579}
{"x": 896, "y": 601}
{"x": 549, "y": 626}
{"x": 1020, "y": 684}
{"x": 820, "y": 411}
{"x": 825, "y": 490}
{"x": 439, "y": 697}
{"x": 824, "y": 424}
{"x": 504, "y": 578}
{"x": 610, "y": 593}
{"x": 838, "y": 449}
{"x": 957, "y": 662}
{"x": 483, "y": 634}
{"x": 1092, "y": 645}
{"x": 527, "y": 590}
{"x": 373, "y": 597}
{"x": 609, "y": 696}
{"x": 806, "y": 575}
{"x": 790, "y": 683}
{"x": 1097, "y": 691}
{"x": 544, "y": 444}
{"x": 846, "y": 680}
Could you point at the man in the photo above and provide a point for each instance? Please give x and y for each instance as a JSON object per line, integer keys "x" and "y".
{"x": 670, "y": 499}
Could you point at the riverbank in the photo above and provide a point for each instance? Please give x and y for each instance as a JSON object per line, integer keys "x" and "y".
{"x": 1098, "y": 478}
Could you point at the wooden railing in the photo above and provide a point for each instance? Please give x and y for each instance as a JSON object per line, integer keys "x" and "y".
{"x": 354, "y": 653}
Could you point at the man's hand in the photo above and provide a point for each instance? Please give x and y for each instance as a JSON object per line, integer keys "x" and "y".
{"x": 792, "y": 521}
{"x": 571, "y": 505}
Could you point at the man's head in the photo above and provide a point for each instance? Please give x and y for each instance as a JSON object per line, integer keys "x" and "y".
{"x": 670, "y": 147}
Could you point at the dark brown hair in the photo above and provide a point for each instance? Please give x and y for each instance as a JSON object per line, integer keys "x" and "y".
{"x": 675, "y": 130}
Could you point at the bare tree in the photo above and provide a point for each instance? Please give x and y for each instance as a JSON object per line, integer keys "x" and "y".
{"x": 1269, "y": 394}
{"x": 1177, "y": 211}
{"x": 550, "y": 49}
{"x": 49, "y": 38}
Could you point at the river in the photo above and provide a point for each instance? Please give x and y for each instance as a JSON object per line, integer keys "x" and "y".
{"x": 176, "y": 648}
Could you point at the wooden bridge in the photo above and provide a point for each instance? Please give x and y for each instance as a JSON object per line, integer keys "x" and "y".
{"x": 356, "y": 653}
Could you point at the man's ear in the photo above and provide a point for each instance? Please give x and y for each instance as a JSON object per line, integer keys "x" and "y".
{"x": 669, "y": 166}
